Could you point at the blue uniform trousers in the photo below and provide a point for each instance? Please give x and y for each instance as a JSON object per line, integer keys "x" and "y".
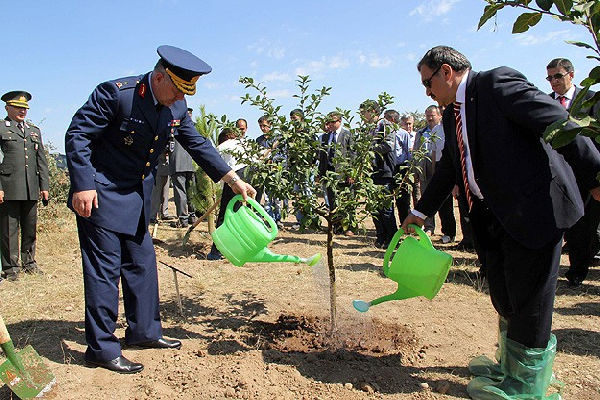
{"x": 108, "y": 257}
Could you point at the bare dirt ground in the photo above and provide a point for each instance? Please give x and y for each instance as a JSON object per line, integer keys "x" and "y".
{"x": 261, "y": 331}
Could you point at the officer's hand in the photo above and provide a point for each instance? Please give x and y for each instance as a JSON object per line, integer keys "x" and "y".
{"x": 596, "y": 193}
{"x": 243, "y": 188}
{"x": 44, "y": 194}
{"x": 84, "y": 201}
{"x": 411, "y": 219}
{"x": 1, "y": 196}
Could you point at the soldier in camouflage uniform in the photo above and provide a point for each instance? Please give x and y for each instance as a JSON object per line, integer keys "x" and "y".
{"x": 23, "y": 181}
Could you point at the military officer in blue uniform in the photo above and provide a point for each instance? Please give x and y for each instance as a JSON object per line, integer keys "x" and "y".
{"x": 23, "y": 181}
{"x": 112, "y": 147}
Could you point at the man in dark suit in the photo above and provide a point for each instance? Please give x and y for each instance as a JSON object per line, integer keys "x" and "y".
{"x": 23, "y": 180}
{"x": 522, "y": 195}
{"x": 112, "y": 147}
{"x": 335, "y": 146}
{"x": 583, "y": 237}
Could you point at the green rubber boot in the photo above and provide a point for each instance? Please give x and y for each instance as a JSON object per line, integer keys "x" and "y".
{"x": 483, "y": 365}
{"x": 527, "y": 374}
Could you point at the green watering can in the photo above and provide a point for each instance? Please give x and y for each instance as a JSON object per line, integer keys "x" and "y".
{"x": 245, "y": 233}
{"x": 418, "y": 268}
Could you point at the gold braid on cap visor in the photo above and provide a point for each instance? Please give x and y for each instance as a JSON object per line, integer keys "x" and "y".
{"x": 21, "y": 102}
{"x": 186, "y": 87}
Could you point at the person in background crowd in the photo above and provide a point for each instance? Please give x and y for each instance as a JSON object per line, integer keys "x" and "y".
{"x": 229, "y": 145}
{"x": 272, "y": 205}
{"x": 160, "y": 191}
{"x": 24, "y": 179}
{"x": 336, "y": 137}
{"x": 583, "y": 238}
{"x": 403, "y": 152}
{"x": 384, "y": 165}
{"x": 181, "y": 171}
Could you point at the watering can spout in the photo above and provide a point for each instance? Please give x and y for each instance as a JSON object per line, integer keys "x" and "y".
{"x": 400, "y": 294}
{"x": 266, "y": 255}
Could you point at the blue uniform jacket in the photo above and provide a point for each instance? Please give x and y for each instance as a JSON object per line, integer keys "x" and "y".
{"x": 113, "y": 145}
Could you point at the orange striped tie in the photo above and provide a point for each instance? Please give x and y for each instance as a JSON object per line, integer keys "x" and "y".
{"x": 463, "y": 157}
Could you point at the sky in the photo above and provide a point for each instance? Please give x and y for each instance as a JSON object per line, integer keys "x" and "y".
{"x": 60, "y": 50}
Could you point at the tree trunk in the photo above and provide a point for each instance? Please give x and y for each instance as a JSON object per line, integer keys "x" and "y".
{"x": 331, "y": 267}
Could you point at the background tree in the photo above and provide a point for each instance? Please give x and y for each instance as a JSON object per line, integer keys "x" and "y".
{"x": 204, "y": 193}
{"x": 579, "y": 12}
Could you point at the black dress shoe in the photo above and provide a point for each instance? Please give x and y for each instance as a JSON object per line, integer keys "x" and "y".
{"x": 119, "y": 364}
{"x": 161, "y": 343}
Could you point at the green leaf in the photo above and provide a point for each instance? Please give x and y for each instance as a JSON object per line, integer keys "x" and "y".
{"x": 488, "y": 12}
{"x": 564, "y": 6}
{"x": 565, "y": 137}
{"x": 577, "y": 102}
{"x": 525, "y": 21}
{"x": 553, "y": 129}
{"x": 580, "y": 44}
{"x": 593, "y": 77}
{"x": 545, "y": 5}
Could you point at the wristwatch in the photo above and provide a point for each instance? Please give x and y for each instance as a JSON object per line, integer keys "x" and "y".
{"x": 233, "y": 180}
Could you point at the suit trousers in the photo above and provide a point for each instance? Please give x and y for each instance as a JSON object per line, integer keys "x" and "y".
{"x": 447, "y": 217}
{"x": 522, "y": 280}
{"x": 384, "y": 219}
{"x": 403, "y": 198}
{"x": 109, "y": 257}
{"x": 465, "y": 220}
{"x": 160, "y": 197}
{"x": 582, "y": 239}
{"x": 181, "y": 181}
{"x": 15, "y": 214}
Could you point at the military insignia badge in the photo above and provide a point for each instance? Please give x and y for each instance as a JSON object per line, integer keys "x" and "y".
{"x": 175, "y": 122}
{"x": 142, "y": 90}
{"x": 33, "y": 134}
{"x": 35, "y": 147}
{"x": 119, "y": 84}
{"x": 7, "y": 123}
{"x": 128, "y": 140}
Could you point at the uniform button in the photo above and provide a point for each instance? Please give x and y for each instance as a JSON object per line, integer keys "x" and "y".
{"x": 151, "y": 151}
{"x": 25, "y": 148}
{"x": 132, "y": 131}
{"x": 26, "y": 157}
{"x": 156, "y": 137}
{"x": 148, "y": 164}
{"x": 143, "y": 176}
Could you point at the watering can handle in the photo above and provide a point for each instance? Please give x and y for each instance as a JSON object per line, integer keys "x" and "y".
{"x": 256, "y": 206}
{"x": 423, "y": 239}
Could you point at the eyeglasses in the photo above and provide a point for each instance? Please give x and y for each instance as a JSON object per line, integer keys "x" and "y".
{"x": 556, "y": 76}
{"x": 427, "y": 82}
{"x": 333, "y": 121}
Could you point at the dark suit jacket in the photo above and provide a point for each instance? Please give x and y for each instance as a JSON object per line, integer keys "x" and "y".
{"x": 343, "y": 141}
{"x": 592, "y": 110}
{"x": 528, "y": 186}
{"x": 113, "y": 144}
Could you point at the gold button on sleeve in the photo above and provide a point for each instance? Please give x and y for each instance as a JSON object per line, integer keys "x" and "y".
{"x": 148, "y": 164}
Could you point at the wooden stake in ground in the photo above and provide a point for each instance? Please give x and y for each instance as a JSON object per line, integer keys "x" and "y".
{"x": 186, "y": 237}
{"x": 175, "y": 271}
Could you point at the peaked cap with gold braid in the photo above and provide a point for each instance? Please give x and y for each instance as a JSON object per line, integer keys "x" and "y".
{"x": 17, "y": 98}
{"x": 183, "y": 67}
